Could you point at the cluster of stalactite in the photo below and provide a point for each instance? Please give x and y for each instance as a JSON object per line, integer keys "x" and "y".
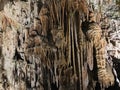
{"x": 46, "y": 47}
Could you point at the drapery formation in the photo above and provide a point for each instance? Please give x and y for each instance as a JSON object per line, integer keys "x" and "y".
{"x": 94, "y": 34}
{"x": 51, "y": 45}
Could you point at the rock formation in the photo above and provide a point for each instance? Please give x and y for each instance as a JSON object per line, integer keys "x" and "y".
{"x": 59, "y": 44}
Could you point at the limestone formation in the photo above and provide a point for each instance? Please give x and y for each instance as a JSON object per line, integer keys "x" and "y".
{"x": 59, "y": 44}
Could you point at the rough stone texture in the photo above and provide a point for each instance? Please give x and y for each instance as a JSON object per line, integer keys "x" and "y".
{"x": 43, "y": 45}
{"x": 109, "y": 12}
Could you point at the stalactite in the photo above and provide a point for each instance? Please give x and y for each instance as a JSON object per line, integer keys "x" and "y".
{"x": 46, "y": 47}
{"x": 90, "y": 55}
{"x": 72, "y": 44}
{"x": 79, "y": 74}
{"x": 94, "y": 34}
{"x": 69, "y": 41}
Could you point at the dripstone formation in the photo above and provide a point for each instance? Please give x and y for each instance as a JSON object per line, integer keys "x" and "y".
{"x": 57, "y": 45}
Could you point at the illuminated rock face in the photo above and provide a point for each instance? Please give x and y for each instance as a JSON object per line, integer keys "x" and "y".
{"x": 27, "y": 48}
{"x": 110, "y": 24}
{"x": 19, "y": 41}
{"x": 42, "y": 46}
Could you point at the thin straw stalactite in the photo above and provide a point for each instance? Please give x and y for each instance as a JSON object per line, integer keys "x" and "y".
{"x": 77, "y": 51}
{"x": 69, "y": 41}
{"x": 72, "y": 44}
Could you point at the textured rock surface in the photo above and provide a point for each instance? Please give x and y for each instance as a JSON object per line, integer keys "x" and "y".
{"x": 43, "y": 45}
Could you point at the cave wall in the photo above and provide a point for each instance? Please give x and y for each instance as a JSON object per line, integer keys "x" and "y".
{"x": 43, "y": 45}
